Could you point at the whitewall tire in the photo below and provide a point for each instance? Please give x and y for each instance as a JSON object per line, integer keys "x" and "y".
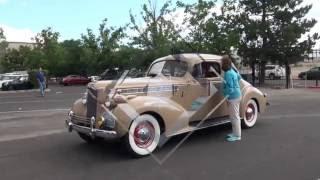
{"x": 250, "y": 114}
{"x": 143, "y": 136}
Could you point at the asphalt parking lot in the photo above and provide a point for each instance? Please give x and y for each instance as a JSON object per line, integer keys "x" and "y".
{"x": 285, "y": 144}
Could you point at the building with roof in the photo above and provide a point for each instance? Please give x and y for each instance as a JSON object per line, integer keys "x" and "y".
{"x": 17, "y": 45}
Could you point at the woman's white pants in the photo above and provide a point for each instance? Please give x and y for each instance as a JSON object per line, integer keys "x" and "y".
{"x": 234, "y": 113}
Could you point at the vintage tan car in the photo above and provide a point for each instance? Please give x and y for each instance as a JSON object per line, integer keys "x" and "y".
{"x": 180, "y": 93}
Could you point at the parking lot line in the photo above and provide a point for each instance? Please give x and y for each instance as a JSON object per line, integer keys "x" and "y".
{"x": 31, "y": 135}
{"x": 36, "y": 101}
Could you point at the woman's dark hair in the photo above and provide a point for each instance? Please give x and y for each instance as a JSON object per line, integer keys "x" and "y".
{"x": 226, "y": 63}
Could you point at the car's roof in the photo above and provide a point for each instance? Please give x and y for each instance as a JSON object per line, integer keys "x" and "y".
{"x": 190, "y": 58}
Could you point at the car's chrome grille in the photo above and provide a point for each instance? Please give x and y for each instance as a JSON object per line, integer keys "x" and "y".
{"x": 80, "y": 120}
{"x": 91, "y": 102}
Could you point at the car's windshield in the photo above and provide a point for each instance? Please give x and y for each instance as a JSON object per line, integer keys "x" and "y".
{"x": 169, "y": 68}
{"x": 156, "y": 68}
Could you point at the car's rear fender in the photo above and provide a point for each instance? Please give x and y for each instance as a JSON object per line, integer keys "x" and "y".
{"x": 255, "y": 94}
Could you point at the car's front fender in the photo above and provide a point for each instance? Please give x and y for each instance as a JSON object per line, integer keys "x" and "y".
{"x": 253, "y": 93}
{"x": 171, "y": 113}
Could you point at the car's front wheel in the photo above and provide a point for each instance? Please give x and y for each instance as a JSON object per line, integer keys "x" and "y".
{"x": 251, "y": 114}
{"x": 143, "y": 136}
{"x": 10, "y": 88}
{"x": 304, "y": 77}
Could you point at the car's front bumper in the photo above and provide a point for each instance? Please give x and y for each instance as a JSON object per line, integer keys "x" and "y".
{"x": 90, "y": 131}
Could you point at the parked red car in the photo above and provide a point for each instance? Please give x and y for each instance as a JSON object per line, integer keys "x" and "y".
{"x": 75, "y": 80}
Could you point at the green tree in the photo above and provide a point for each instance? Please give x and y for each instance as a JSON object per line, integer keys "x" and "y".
{"x": 3, "y": 47}
{"x": 72, "y": 62}
{"x": 211, "y": 30}
{"x": 109, "y": 42}
{"x": 90, "y": 51}
{"x": 158, "y": 34}
{"x": 47, "y": 43}
{"x": 272, "y": 31}
{"x": 13, "y": 60}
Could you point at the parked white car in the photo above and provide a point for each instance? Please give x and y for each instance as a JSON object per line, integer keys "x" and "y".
{"x": 273, "y": 72}
{"x": 6, "y": 78}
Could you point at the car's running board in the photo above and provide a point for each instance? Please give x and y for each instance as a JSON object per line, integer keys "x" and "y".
{"x": 193, "y": 126}
{"x": 209, "y": 123}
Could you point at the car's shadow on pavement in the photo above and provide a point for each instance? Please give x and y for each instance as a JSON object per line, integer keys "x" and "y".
{"x": 105, "y": 151}
{"x": 100, "y": 151}
{"x": 115, "y": 151}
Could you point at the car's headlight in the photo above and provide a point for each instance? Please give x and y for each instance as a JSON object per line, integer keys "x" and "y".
{"x": 84, "y": 97}
{"x": 70, "y": 113}
{"x": 108, "y": 120}
{"x": 120, "y": 99}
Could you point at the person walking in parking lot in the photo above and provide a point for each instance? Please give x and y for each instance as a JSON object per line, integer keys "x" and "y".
{"x": 231, "y": 90}
{"x": 41, "y": 81}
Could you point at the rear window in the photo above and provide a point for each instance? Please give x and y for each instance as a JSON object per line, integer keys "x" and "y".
{"x": 270, "y": 67}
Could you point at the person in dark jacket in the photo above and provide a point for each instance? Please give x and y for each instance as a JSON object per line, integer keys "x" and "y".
{"x": 41, "y": 81}
{"x": 231, "y": 91}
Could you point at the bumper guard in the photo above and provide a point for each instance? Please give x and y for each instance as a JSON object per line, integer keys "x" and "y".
{"x": 91, "y": 131}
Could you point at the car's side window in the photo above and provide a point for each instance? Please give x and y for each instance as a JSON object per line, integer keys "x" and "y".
{"x": 175, "y": 68}
{"x": 196, "y": 72}
{"x": 206, "y": 70}
{"x": 210, "y": 69}
{"x": 269, "y": 67}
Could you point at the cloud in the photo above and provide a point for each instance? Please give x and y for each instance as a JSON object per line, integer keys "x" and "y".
{"x": 3, "y": 2}
{"x": 17, "y": 35}
{"x": 313, "y": 13}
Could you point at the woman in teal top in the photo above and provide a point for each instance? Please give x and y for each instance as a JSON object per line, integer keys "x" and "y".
{"x": 232, "y": 92}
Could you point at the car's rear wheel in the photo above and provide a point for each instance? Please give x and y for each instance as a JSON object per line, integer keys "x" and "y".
{"x": 143, "y": 136}
{"x": 271, "y": 76}
{"x": 251, "y": 114}
{"x": 304, "y": 77}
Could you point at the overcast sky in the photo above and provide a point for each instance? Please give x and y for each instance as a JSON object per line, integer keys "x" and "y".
{"x": 22, "y": 19}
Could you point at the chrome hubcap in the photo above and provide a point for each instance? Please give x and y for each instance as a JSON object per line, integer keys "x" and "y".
{"x": 144, "y": 134}
{"x": 250, "y": 112}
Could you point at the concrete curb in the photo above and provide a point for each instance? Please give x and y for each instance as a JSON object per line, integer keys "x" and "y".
{"x": 23, "y": 91}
